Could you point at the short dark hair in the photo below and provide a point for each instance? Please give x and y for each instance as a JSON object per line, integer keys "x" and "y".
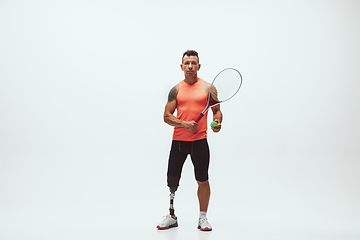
{"x": 190, "y": 53}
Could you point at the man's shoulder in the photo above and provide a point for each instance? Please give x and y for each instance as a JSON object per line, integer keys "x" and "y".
{"x": 173, "y": 93}
{"x": 206, "y": 85}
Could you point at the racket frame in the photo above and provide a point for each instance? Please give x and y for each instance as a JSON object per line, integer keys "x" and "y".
{"x": 211, "y": 101}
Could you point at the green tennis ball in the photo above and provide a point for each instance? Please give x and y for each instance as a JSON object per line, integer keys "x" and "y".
{"x": 213, "y": 124}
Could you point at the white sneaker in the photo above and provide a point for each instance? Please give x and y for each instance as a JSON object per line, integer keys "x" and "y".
{"x": 168, "y": 222}
{"x": 204, "y": 225}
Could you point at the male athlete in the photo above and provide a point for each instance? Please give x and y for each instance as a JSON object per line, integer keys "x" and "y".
{"x": 189, "y": 98}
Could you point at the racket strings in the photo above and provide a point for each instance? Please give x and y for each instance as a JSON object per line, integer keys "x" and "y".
{"x": 226, "y": 84}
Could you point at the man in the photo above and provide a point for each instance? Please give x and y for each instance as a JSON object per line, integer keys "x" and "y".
{"x": 189, "y": 98}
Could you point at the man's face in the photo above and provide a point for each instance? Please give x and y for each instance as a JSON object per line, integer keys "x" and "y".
{"x": 190, "y": 65}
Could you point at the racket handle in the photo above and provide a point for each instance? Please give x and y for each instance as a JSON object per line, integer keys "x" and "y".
{"x": 199, "y": 118}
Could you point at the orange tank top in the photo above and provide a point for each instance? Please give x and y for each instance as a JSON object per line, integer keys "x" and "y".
{"x": 191, "y": 101}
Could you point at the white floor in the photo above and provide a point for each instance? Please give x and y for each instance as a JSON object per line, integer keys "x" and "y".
{"x": 94, "y": 197}
{"x": 118, "y": 224}
{"x": 134, "y": 215}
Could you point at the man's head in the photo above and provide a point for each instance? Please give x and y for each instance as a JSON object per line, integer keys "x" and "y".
{"x": 190, "y": 63}
{"x": 190, "y": 53}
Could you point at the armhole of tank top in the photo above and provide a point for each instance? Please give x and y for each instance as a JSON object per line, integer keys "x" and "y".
{"x": 179, "y": 87}
{"x": 178, "y": 91}
{"x": 204, "y": 88}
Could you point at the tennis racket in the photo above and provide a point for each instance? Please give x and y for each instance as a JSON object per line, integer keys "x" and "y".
{"x": 224, "y": 86}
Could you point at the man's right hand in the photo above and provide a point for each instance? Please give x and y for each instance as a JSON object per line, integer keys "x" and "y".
{"x": 190, "y": 126}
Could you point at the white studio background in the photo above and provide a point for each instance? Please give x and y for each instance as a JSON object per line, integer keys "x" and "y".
{"x": 83, "y": 146}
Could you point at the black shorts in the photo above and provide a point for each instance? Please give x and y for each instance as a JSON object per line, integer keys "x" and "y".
{"x": 200, "y": 157}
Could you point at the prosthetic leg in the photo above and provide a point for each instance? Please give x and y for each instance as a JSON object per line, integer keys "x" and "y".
{"x": 172, "y": 196}
{"x": 170, "y": 220}
{"x": 171, "y": 209}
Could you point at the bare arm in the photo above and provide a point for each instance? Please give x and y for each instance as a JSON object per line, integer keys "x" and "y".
{"x": 217, "y": 117}
{"x": 217, "y": 114}
{"x": 170, "y": 107}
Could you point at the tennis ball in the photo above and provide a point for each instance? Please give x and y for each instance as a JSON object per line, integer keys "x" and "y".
{"x": 213, "y": 124}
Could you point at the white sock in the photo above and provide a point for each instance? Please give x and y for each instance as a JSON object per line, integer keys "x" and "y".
{"x": 202, "y": 214}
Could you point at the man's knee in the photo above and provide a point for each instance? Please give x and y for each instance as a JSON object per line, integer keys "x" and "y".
{"x": 203, "y": 183}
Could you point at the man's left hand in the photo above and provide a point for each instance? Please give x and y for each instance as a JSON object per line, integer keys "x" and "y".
{"x": 217, "y": 127}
